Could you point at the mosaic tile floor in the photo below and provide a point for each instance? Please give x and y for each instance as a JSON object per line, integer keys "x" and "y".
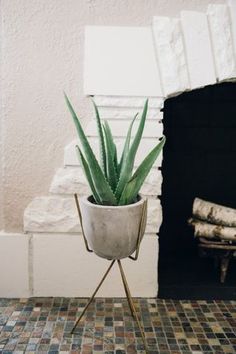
{"x": 42, "y": 325}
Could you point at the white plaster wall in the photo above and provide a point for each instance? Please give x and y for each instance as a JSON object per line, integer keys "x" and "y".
{"x": 42, "y": 55}
{"x": 1, "y": 135}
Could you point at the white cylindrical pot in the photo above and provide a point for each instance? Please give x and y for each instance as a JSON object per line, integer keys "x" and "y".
{"x": 112, "y": 231}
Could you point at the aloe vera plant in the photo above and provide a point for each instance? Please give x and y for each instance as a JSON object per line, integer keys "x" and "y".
{"x": 112, "y": 181}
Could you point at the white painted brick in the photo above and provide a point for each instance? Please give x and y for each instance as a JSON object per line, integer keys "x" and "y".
{"x": 71, "y": 180}
{"x": 71, "y": 159}
{"x": 154, "y": 216}
{"x": 58, "y": 214}
{"x": 128, "y": 113}
{"x": 198, "y": 49}
{"x": 220, "y": 27}
{"x": 62, "y": 267}
{"x": 153, "y": 182}
{"x": 122, "y": 101}
{"x": 171, "y": 55}
{"x": 14, "y": 265}
{"x": 114, "y": 64}
{"x": 119, "y": 128}
{"x": 232, "y": 6}
{"x": 51, "y": 214}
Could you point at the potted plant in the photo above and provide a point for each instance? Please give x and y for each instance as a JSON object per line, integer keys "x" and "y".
{"x": 112, "y": 214}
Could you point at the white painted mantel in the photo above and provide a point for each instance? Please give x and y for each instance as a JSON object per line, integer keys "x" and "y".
{"x": 123, "y": 66}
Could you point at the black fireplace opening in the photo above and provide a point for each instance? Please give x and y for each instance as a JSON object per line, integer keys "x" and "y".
{"x": 199, "y": 160}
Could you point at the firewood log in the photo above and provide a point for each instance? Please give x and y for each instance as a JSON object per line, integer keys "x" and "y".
{"x": 214, "y": 213}
{"x": 211, "y": 231}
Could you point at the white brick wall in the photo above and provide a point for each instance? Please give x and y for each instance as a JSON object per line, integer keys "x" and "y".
{"x": 56, "y": 214}
{"x": 153, "y": 127}
{"x": 192, "y": 51}
{"x": 69, "y": 180}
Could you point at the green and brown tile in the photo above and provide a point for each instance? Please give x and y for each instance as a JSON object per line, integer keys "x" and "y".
{"x": 43, "y": 325}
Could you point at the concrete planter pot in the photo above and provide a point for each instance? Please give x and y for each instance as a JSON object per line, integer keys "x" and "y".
{"x": 112, "y": 231}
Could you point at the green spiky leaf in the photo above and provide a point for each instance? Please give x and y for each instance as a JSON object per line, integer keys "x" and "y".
{"x": 113, "y": 146}
{"x": 100, "y": 183}
{"x": 116, "y": 162}
{"x": 110, "y": 154}
{"x": 101, "y": 140}
{"x": 113, "y": 183}
{"x": 133, "y": 186}
{"x": 126, "y": 145}
{"x": 127, "y": 166}
{"x": 87, "y": 173}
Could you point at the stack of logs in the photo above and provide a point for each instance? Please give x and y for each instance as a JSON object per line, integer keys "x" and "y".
{"x": 215, "y": 227}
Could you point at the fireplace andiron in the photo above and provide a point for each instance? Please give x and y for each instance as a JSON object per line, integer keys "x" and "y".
{"x": 215, "y": 227}
{"x": 123, "y": 277}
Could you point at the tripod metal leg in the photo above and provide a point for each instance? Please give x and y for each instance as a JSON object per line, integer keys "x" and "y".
{"x": 130, "y": 301}
{"x": 93, "y": 296}
{"x": 127, "y": 296}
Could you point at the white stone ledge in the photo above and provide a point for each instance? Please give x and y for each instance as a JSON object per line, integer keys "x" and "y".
{"x": 122, "y": 101}
{"x": 146, "y": 145}
{"x": 119, "y": 128}
{"x": 171, "y": 55}
{"x": 220, "y": 27}
{"x": 70, "y": 180}
{"x": 62, "y": 267}
{"x": 14, "y": 265}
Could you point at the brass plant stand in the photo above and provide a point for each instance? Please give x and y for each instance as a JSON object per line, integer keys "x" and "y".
{"x": 123, "y": 277}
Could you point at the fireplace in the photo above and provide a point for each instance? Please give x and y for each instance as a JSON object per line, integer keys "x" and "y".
{"x": 198, "y": 161}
